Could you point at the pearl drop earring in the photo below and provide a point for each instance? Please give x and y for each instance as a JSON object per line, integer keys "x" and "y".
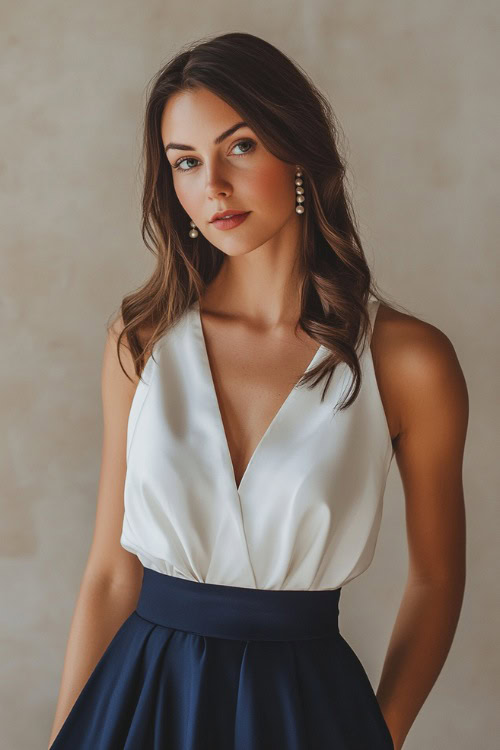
{"x": 300, "y": 191}
{"x": 193, "y": 232}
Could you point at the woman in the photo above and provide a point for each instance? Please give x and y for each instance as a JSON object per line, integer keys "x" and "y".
{"x": 251, "y": 413}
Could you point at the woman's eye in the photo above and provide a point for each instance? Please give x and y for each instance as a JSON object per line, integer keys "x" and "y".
{"x": 252, "y": 144}
{"x": 178, "y": 163}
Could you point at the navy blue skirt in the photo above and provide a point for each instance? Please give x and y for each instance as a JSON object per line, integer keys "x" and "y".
{"x": 201, "y": 666}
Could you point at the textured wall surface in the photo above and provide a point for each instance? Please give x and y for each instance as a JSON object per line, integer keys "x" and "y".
{"x": 413, "y": 85}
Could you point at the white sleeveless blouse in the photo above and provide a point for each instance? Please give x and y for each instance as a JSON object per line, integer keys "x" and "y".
{"x": 307, "y": 512}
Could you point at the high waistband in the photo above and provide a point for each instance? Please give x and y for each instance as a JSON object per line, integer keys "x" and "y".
{"x": 236, "y": 612}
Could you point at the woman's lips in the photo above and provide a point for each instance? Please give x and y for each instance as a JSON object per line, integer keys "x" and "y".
{"x": 234, "y": 221}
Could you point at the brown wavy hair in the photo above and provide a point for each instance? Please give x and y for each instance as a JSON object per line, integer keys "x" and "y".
{"x": 295, "y": 122}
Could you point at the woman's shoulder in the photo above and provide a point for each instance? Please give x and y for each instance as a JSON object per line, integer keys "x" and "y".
{"x": 143, "y": 336}
{"x": 414, "y": 360}
{"x": 409, "y": 343}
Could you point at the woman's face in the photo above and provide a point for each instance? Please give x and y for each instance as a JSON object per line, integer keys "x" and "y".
{"x": 238, "y": 173}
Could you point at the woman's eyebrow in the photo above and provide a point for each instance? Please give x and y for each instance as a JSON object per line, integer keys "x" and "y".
{"x": 218, "y": 140}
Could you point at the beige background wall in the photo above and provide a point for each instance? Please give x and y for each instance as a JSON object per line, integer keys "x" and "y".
{"x": 414, "y": 87}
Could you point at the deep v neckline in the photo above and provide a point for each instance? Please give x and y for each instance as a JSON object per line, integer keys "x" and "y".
{"x": 220, "y": 423}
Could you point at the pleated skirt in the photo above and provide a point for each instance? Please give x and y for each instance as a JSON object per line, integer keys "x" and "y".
{"x": 201, "y": 666}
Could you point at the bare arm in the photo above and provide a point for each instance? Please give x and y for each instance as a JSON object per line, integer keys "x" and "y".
{"x": 429, "y": 387}
{"x": 111, "y": 581}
